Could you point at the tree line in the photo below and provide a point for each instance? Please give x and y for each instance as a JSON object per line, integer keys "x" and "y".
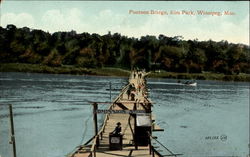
{"x": 25, "y": 45}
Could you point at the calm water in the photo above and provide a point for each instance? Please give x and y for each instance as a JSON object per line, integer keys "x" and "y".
{"x": 53, "y": 114}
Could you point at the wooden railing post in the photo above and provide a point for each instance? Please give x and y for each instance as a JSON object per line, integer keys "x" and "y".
{"x": 13, "y": 141}
{"x": 110, "y": 91}
{"x": 95, "y": 108}
{"x": 95, "y": 151}
{"x": 150, "y": 146}
{"x": 135, "y": 130}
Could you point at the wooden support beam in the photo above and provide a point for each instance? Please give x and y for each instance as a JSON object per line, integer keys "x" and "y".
{"x": 122, "y": 106}
{"x": 135, "y": 132}
{"x": 110, "y": 96}
{"x": 95, "y": 108}
{"x": 13, "y": 141}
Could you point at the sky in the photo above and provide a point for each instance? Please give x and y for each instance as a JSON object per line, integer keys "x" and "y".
{"x": 123, "y": 17}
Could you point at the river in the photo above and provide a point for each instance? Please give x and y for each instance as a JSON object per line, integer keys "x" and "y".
{"x": 52, "y": 114}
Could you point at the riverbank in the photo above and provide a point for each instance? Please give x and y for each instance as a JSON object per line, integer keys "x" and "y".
{"x": 108, "y": 71}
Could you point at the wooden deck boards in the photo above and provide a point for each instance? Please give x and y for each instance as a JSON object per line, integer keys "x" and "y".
{"x": 128, "y": 148}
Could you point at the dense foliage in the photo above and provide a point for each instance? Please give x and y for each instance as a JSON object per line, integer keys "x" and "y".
{"x": 24, "y": 45}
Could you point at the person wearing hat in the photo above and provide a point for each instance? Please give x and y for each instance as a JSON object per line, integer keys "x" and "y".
{"x": 118, "y": 129}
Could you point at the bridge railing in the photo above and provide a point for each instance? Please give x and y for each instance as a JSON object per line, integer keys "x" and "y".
{"x": 95, "y": 139}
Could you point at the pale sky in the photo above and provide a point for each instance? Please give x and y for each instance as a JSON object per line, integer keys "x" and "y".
{"x": 103, "y": 16}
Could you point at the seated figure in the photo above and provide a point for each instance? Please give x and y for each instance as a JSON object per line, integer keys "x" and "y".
{"x": 118, "y": 129}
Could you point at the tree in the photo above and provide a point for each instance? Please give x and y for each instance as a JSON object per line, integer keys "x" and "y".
{"x": 34, "y": 46}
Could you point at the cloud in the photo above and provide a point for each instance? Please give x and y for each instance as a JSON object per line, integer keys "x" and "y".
{"x": 75, "y": 19}
{"x": 106, "y": 20}
{"x": 222, "y": 28}
{"x": 190, "y": 27}
{"x": 216, "y": 28}
{"x": 20, "y": 20}
{"x": 56, "y": 20}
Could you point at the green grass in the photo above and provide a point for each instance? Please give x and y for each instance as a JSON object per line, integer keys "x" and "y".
{"x": 110, "y": 71}
{"x": 36, "y": 68}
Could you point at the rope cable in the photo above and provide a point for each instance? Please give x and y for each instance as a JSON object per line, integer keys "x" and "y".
{"x": 83, "y": 135}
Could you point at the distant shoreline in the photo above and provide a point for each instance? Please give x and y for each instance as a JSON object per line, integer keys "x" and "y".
{"x": 110, "y": 71}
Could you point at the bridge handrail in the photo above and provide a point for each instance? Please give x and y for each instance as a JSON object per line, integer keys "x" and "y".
{"x": 100, "y": 132}
{"x": 94, "y": 144}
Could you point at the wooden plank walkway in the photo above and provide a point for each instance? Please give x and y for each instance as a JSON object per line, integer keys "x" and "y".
{"x": 125, "y": 101}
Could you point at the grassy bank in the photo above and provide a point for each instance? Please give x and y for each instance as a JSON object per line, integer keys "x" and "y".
{"x": 35, "y": 68}
{"x": 110, "y": 72}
